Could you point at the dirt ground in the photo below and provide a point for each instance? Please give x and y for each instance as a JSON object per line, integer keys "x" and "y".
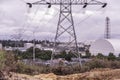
{"x": 96, "y": 74}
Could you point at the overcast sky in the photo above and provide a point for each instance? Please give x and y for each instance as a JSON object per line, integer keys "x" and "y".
{"x": 17, "y": 19}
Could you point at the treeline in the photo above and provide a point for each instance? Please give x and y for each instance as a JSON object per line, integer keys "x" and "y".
{"x": 15, "y": 43}
{"x": 42, "y": 54}
{"x": 46, "y": 55}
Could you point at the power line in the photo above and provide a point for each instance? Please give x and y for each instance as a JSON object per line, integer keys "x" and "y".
{"x": 88, "y": 17}
{"x": 65, "y": 16}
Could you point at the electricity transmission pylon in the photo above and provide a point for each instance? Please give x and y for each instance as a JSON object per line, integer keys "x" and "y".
{"x": 66, "y": 24}
{"x": 107, "y": 30}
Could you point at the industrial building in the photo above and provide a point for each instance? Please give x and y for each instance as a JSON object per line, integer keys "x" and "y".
{"x": 105, "y": 46}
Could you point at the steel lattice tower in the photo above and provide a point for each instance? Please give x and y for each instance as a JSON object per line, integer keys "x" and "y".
{"x": 66, "y": 23}
{"x": 107, "y": 30}
{"x": 66, "y": 28}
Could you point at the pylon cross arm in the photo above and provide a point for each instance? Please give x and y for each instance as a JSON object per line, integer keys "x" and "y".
{"x": 85, "y": 3}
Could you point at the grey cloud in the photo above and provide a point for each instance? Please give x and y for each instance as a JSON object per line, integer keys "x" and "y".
{"x": 12, "y": 16}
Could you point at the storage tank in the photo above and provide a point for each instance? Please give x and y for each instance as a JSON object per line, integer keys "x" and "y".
{"x": 105, "y": 46}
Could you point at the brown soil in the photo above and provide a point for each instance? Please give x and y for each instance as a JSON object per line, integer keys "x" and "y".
{"x": 96, "y": 74}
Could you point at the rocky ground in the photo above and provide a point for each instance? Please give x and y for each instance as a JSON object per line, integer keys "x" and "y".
{"x": 96, "y": 74}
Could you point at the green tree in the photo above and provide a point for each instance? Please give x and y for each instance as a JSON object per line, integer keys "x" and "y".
{"x": 88, "y": 54}
{"x": 69, "y": 56}
{"x": 111, "y": 56}
{"x": 65, "y": 55}
{"x": 100, "y": 56}
{"x": 40, "y": 54}
{"x": 29, "y": 53}
{"x": 2, "y": 59}
{"x": 44, "y": 55}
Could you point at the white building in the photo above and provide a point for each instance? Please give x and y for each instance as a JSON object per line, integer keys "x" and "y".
{"x": 39, "y": 46}
{"x": 8, "y": 48}
{"x": 47, "y": 49}
{"x": 28, "y": 45}
{"x": 105, "y": 46}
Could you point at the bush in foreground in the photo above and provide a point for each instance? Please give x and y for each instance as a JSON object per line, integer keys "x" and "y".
{"x": 31, "y": 69}
{"x": 103, "y": 63}
{"x": 9, "y": 62}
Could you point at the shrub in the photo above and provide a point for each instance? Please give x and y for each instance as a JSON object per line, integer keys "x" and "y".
{"x": 62, "y": 70}
{"x": 96, "y": 63}
{"x": 10, "y": 62}
{"x": 103, "y": 63}
{"x": 31, "y": 69}
{"x": 100, "y": 56}
{"x": 111, "y": 56}
{"x": 115, "y": 64}
{"x": 2, "y": 60}
{"x": 7, "y": 61}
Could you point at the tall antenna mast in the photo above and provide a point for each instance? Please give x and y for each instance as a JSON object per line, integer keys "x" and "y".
{"x": 65, "y": 25}
{"x": 107, "y": 30}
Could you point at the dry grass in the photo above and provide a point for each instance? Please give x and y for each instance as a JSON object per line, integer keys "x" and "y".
{"x": 96, "y": 74}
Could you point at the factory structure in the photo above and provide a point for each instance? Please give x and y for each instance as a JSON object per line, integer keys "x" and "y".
{"x": 106, "y": 45}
